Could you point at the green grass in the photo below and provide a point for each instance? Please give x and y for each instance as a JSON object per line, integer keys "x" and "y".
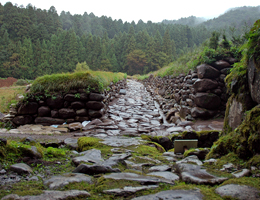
{"x": 90, "y": 81}
{"x": 8, "y": 96}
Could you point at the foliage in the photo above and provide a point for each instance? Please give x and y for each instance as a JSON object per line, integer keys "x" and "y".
{"x": 213, "y": 41}
{"x": 44, "y": 42}
{"x": 243, "y": 140}
{"x": 81, "y": 67}
{"x": 8, "y": 97}
{"x": 55, "y": 152}
{"x": 21, "y": 82}
{"x": 254, "y": 43}
{"x": 7, "y": 125}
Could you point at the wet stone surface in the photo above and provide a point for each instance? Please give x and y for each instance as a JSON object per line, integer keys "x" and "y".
{"x": 133, "y": 113}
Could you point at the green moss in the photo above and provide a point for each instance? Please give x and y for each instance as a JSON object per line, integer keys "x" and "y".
{"x": 171, "y": 150}
{"x": 244, "y": 140}
{"x": 55, "y": 152}
{"x": 91, "y": 81}
{"x": 254, "y": 161}
{"x": 207, "y": 132}
{"x": 86, "y": 143}
{"x": 145, "y": 150}
{"x": 226, "y": 127}
{"x": 186, "y": 153}
{"x": 157, "y": 146}
{"x": 24, "y": 188}
{"x": 250, "y": 181}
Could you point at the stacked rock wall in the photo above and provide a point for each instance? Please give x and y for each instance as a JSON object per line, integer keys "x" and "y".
{"x": 73, "y": 106}
{"x": 199, "y": 94}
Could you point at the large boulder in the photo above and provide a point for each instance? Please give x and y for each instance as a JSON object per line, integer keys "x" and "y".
{"x": 202, "y": 85}
{"x": 55, "y": 102}
{"x": 94, "y": 105}
{"x": 44, "y": 111}
{"x": 29, "y": 108}
{"x": 48, "y": 121}
{"x": 235, "y": 115}
{"x": 22, "y": 120}
{"x": 254, "y": 81}
{"x": 207, "y": 100}
{"x": 207, "y": 71}
{"x": 66, "y": 113}
{"x": 197, "y": 112}
{"x": 96, "y": 97}
{"x": 221, "y": 64}
{"x": 77, "y": 105}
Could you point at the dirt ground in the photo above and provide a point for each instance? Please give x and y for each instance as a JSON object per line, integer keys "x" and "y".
{"x": 7, "y": 82}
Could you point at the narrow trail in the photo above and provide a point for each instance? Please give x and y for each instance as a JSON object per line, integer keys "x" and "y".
{"x": 132, "y": 114}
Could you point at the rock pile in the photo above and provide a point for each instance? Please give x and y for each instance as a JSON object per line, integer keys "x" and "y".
{"x": 199, "y": 94}
{"x": 73, "y": 106}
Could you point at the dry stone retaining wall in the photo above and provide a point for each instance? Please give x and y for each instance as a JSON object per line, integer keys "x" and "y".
{"x": 73, "y": 106}
{"x": 199, "y": 94}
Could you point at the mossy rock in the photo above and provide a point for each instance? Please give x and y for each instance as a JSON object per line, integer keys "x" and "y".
{"x": 86, "y": 143}
{"x": 244, "y": 141}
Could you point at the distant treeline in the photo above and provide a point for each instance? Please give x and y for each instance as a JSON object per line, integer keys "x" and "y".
{"x": 35, "y": 42}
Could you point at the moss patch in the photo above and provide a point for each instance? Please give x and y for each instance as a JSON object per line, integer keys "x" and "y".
{"x": 23, "y": 188}
{"x": 253, "y": 182}
{"x": 244, "y": 141}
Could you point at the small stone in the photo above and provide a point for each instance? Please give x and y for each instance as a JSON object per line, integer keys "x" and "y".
{"x": 122, "y": 92}
{"x": 160, "y": 168}
{"x": 241, "y": 173}
{"x": 21, "y": 168}
{"x": 57, "y": 182}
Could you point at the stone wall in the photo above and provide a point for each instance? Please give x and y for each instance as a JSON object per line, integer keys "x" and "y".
{"x": 72, "y": 106}
{"x": 199, "y": 94}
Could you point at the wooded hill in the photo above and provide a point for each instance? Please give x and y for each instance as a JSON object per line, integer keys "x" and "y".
{"x": 235, "y": 18}
{"x": 35, "y": 42}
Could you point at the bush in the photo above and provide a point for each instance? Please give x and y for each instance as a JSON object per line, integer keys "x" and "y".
{"x": 21, "y": 82}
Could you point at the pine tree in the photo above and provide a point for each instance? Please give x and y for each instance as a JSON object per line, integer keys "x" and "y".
{"x": 167, "y": 48}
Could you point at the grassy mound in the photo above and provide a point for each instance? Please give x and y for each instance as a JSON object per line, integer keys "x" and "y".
{"x": 90, "y": 81}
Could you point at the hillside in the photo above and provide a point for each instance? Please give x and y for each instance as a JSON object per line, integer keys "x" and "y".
{"x": 235, "y": 17}
{"x": 35, "y": 42}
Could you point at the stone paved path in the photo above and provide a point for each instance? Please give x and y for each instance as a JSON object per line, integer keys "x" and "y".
{"x": 133, "y": 113}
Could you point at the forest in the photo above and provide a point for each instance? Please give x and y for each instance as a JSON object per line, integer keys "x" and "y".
{"x": 35, "y": 42}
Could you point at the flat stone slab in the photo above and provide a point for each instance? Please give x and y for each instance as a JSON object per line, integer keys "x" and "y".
{"x": 167, "y": 175}
{"x": 159, "y": 168}
{"x": 120, "y": 141}
{"x": 136, "y": 177}
{"x": 21, "y": 168}
{"x": 173, "y": 194}
{"x": 175, "y": 129}
{"x": 95, "y": 169}
{"x": 57, "y": 182}
{"x": 241, "y": 173}
{"x": 195, "y": 174}
{"x": 241, "y": 192}
{"x": 71, "y": 143}
{"x": 92, "y": 156}
{"x": 129, "y": 190}
{"x": 54, "y": 195}
{"x": 191, "y": 159}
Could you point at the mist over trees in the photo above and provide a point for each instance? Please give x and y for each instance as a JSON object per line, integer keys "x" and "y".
{"x": 35, "y": 42}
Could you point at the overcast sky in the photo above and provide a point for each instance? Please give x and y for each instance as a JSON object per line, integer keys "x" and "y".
{"x": 130, "y": 10}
